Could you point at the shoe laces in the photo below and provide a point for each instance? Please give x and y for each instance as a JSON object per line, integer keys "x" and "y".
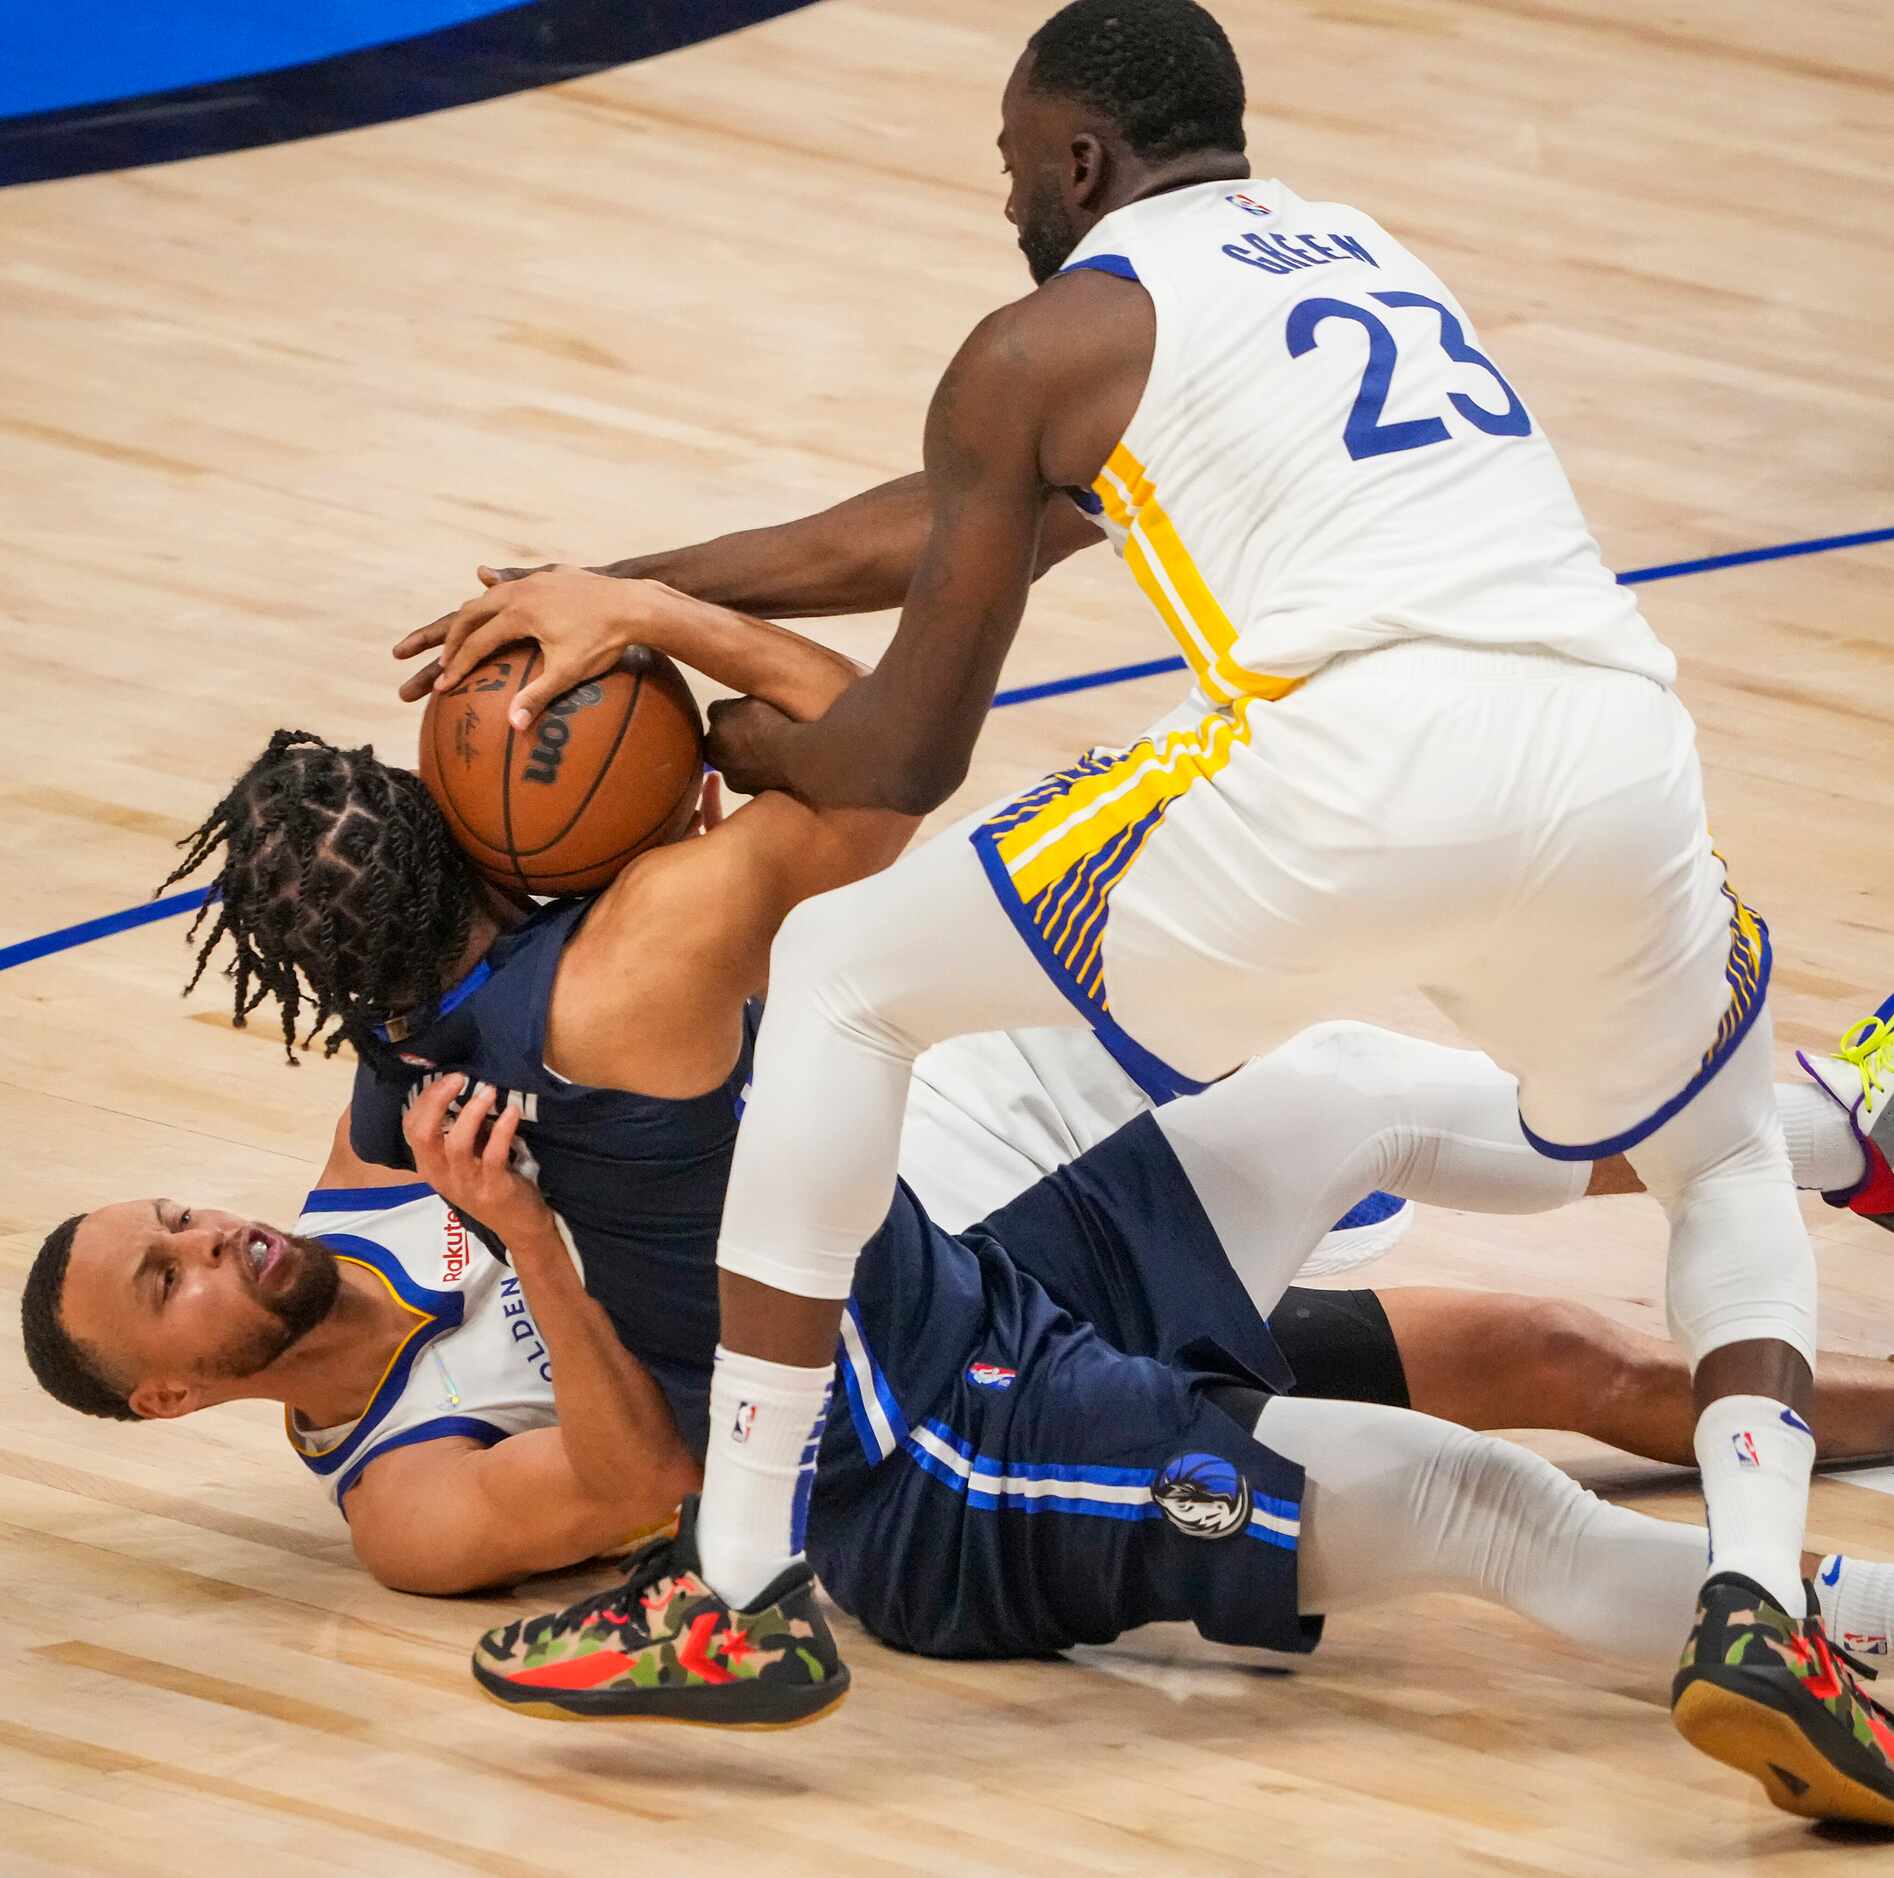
{"x": 1861, "y": 1669}
{"x": 615, "y": 1605}
{"x": 1869, "y": 1049}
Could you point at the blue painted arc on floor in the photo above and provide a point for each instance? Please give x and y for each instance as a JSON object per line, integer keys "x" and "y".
{"x": 64, "y": 938}
{"x": 88, "y": 85}
{"x": 92, "y": 51}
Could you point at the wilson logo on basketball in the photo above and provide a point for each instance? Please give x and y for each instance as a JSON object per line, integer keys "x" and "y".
{"x": 456, "y": 1252}
{"x": 553, "y": 731}
{"x": 464, "y": 727}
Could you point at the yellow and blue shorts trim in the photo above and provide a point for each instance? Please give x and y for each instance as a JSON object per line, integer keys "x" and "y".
{"x": 1055, "y": 854}
{"x": 1747, "y": 971}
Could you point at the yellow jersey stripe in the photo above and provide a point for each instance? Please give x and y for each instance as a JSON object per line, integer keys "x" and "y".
{"x": 1163, "y": 568}
{"x": 423, "y": 1320}
{"x": 1185, "y": 587}
{"x": 1157, "y": 586}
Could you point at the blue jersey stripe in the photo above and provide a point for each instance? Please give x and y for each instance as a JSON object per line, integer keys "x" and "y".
{"x": 1117, "y": 264}
{"x": 366, "y": 1199}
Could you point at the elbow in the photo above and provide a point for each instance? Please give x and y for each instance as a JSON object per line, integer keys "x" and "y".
{"x": 432, "y": 1571}
{"x": 435, "y": 1580}
{"x": 918, "y": 784}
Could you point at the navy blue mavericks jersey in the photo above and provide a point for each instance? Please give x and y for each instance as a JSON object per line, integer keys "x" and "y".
{"x": 639, "y": 1180}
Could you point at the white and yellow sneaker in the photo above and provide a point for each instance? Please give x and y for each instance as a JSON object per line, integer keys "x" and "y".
{"x": 1859, "y": 1077}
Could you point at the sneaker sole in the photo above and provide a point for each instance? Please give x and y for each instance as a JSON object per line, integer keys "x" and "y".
{"x": 1747, "y": 1732}
{"x": 689, "y": 1708}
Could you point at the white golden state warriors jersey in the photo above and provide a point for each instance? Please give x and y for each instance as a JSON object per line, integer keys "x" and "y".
{"x": 1324, "y": 460}
{"x": 473, "y": 1364}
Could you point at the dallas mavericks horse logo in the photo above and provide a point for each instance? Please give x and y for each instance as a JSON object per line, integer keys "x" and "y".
{"x": 1203, "y": 1495}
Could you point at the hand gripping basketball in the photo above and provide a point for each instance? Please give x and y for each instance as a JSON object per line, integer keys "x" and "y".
{"x": 582, "y": 623}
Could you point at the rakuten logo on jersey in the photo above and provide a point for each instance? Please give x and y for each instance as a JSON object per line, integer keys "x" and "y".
{"x": 456, "y": 1249}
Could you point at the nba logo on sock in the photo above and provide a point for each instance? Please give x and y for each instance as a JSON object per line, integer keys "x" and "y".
{"x": 743, "y": 1421}
{"x": 1745, "y": 1446}
{"x": 1862, "y": 1643}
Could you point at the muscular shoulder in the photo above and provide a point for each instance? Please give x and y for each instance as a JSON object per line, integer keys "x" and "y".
{"x": 1070, "y": 360}
{"x": 1071, "y": 325}
{"x": 641, "y": 1001}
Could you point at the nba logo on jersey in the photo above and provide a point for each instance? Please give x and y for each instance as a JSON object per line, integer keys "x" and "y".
{"x": 1248, "y": 204}
{"x": 991, "y": 1375}
{"x": 1745, "y": 1446}
{"x": 743, "y": 1422}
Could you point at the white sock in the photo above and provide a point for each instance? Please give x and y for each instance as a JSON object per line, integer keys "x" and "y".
{"x": 1756, "y": 1457}
{"x": 1857, "y": 1599}
{"x": 1823, "y": 1152}
{"x": 765, "y": 1426}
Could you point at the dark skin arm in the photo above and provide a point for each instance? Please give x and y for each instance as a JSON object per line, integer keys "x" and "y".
{"x": 1033, "y": 403}
{"x": 857, "y": 556}
{"x": 585, "y": 621}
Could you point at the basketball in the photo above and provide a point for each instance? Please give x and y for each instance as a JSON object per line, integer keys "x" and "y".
{"x": 611, "y": 768}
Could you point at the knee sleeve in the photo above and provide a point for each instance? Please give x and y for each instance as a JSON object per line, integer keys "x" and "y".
{"x": 861, "y": 981}
{"x": 1740, "y": 1264}
{"x": 1741, "y": 1268}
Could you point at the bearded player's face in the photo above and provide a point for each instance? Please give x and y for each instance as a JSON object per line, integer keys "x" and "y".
{"x": 191, "y": 1298}
{"x": 1036, "y": 152}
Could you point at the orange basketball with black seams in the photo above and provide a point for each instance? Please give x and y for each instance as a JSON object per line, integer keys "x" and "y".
{"x": 611, "y": 768}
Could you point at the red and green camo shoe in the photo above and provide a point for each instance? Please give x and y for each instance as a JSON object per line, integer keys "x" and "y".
{"x": 1771, "y": 1697}
{"x": 663, "y": 1647}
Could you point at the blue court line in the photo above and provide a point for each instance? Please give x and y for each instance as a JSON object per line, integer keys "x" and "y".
{"x": 101, "y": 928}
{"x": 109, "y": 923}
{"x": 1634, "y": 577}
{"x": 1086, "y": 681}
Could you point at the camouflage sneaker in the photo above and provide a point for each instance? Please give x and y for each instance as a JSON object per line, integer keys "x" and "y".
{"x": 1774, "y": 1699}
{"x": 1859, "y": 1078}
{"x": 662, "y": 1646}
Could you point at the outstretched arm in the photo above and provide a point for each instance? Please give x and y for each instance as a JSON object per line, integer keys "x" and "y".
{"x": 857, "y": 557}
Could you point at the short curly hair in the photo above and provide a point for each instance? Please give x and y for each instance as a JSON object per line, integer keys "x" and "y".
{"x": 64, "y": 1367}
{"x": 1162, "y": 71}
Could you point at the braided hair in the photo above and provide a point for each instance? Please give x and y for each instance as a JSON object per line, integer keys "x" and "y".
{"x": 1162, "y": 71}
{"x": 341, "y": 889}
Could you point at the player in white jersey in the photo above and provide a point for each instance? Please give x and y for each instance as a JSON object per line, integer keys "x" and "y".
{"x": 1436, "y": 746}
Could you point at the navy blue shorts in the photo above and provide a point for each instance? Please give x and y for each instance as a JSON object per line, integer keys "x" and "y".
{"x": 1060, "y": 1489}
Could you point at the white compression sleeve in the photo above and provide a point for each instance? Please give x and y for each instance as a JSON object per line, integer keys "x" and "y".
{"x": 1279, "y": 1151}
{"x": 861, "y": 981}
{"x": 1397, "y": 1502}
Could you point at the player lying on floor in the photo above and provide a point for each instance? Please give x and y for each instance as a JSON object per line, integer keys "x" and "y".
{"x": 1088, "y": 1355}
{"x": 320, "y": 1326}
{"x": 621, "y": 1028}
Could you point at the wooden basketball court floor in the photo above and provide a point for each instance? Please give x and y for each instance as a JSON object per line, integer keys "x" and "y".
{"x": 263, "y": 411}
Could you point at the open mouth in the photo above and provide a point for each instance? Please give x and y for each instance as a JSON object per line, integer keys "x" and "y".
{"x": 264, "y": 1250}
